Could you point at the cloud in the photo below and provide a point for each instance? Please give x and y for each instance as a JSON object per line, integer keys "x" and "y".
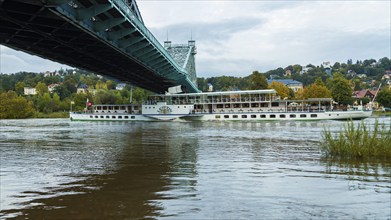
{"x": 237, "y": 37}
{"x": 12, "y": 61}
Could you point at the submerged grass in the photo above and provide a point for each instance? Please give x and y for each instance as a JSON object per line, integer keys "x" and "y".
{"x": 358, "y": 142}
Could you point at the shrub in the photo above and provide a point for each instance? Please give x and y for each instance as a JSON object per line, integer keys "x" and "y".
{"x": 356, "y": 142}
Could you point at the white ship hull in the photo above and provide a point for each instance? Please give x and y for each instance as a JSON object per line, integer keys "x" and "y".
{"x": 272, "y": 116}
{"x": 250, "y": 105}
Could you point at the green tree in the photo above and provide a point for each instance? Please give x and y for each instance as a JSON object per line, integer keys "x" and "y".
{"x": 315, "y": 90}
{"x": 384, "y": 97}
{"x": 41, "y": 88}
{"x": 56, "y": 102}
{"x": 19, "y": 88}
{"x": 257, "y": 81}
{"x": 45, "y": 103}
{"x": 282, "y": 90}
{"x": 341, "y": 89}
{"x": 14, "y": 106}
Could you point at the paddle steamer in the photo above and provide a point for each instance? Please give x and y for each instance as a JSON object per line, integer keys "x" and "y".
{"x": 249, "y": 105}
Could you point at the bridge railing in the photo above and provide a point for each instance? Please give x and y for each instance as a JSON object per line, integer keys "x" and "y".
{"x": 127, "y": 12}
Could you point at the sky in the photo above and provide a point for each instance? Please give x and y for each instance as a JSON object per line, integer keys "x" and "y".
{"x": 234, "y": 38}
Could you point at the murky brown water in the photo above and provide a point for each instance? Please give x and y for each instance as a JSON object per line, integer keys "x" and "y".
{"x": 57, "y": 169}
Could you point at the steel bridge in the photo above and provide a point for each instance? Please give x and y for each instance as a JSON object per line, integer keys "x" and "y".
{"x": 107, "y": 37}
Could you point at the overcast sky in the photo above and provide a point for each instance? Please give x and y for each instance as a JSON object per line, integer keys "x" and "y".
{"x": 236, "y": 37}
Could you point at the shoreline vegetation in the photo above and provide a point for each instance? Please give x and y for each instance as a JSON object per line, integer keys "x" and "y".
{"x": 359, "y": 141}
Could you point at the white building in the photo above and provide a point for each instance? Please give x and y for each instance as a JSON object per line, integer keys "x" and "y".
{"x": 30, "y": 91}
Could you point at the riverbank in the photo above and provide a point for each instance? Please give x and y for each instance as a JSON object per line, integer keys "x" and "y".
{"x": 50, "y": 115}
{"x": 381, "y": 113}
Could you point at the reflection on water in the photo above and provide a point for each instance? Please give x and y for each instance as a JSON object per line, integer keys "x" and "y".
{"x": 56, "y": 169}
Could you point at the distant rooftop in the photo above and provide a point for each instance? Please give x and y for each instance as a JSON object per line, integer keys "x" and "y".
{"x": 285, "y": 81}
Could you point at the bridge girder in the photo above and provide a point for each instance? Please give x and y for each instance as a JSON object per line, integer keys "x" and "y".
{"x": 89, "y": 36}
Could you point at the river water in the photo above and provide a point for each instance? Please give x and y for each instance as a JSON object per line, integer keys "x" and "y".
{"x": 57, "y": 169}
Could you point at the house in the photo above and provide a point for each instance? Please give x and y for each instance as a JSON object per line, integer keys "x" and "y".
{"x": 387, "y": 75}
{"x": 290, "y": 83}
{"x": 327, "y": 67}
{"x": 83, "y": 88}
{"x": 288, "y": 72}
{"x": 30, "y": 91}
{"x": 365, "y": 93}
{"x": 51, "y": 87}
{"x": 120, "y": 86}
{"x": 305, "y": 69}
{"x": 48, "y": 74}
{"x": 361, "y": 76}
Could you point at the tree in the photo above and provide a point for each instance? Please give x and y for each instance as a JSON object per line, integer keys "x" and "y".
{"x": 56, "y": 102}
{"x": 14, "y": 106}
{"x": 282, "y": 90}
{"x": 257, "y": 81}
{"x": 19, "y": 88}
{"x": 315, "y": 90}
{"x": 100, "y": 85}
{"x": 384, "y": 97}
{"x": 341, "y": 89}
{"x": 41, "y": 88}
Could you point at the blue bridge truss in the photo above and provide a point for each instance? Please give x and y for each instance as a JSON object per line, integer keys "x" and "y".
{"x": 107, "y": 37}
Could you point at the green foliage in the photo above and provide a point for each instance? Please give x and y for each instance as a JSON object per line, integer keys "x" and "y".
{"x": 357, "y": 142}
{"x": 14, "y": 106}
{"x": 41, "y": 88}
{"x": 257, "y": 81}
{"x": 341, "y": 89}
{"x": 19, "y": 88}
{"x": 384, "y": 97}
{"x": 106, "y": 97}
{"x": 140, "y": 95}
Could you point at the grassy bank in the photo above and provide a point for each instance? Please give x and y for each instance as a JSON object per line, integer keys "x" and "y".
{"x": 51, "y": 115}
{"x": 381, "y": 113}
{"x": 358, "y": 142}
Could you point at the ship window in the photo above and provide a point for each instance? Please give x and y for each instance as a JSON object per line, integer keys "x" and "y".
{"x": 254, "y": 105}
{"x": 292, "y": 116}
{"x": 226, "y": 116}
{"x": 101, "y": 116}
{"x": 314, "y": 115}
{"x": 245, "y": 105}
{"x": 275, "y": 104}
{"x": 253, "y": 116}
{"x": 126, "y": 117}
{"x": 132, "y": 117}
{"x": 120, "y": 117}
{"x": 234, "y": 116}
{"x": 107, "y": 116}
{"x": 282, "y": 116}
{"x": 244, "y": 116}
{"x": 264, "y": 105}
{"x": 113, "y": 117}
{"x": 263, "y": 116}
{"x": 217, "y": 116}
{"x": 96, "y": 116}
{"x": 236, "y": 106}
{"x": 272, "y": 116}
{"x": 303, "y": 116}
{"x": 98, "y": 108}
{"x": 90, "y": 116}
{"x": 220, "y": 106}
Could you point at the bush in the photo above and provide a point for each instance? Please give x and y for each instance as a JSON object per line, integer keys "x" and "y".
{"x": 14, "y": 106}
{"x": 357, "y": 142}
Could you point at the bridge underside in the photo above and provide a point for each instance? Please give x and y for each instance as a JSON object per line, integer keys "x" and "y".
{"x": 37, "y": 29}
